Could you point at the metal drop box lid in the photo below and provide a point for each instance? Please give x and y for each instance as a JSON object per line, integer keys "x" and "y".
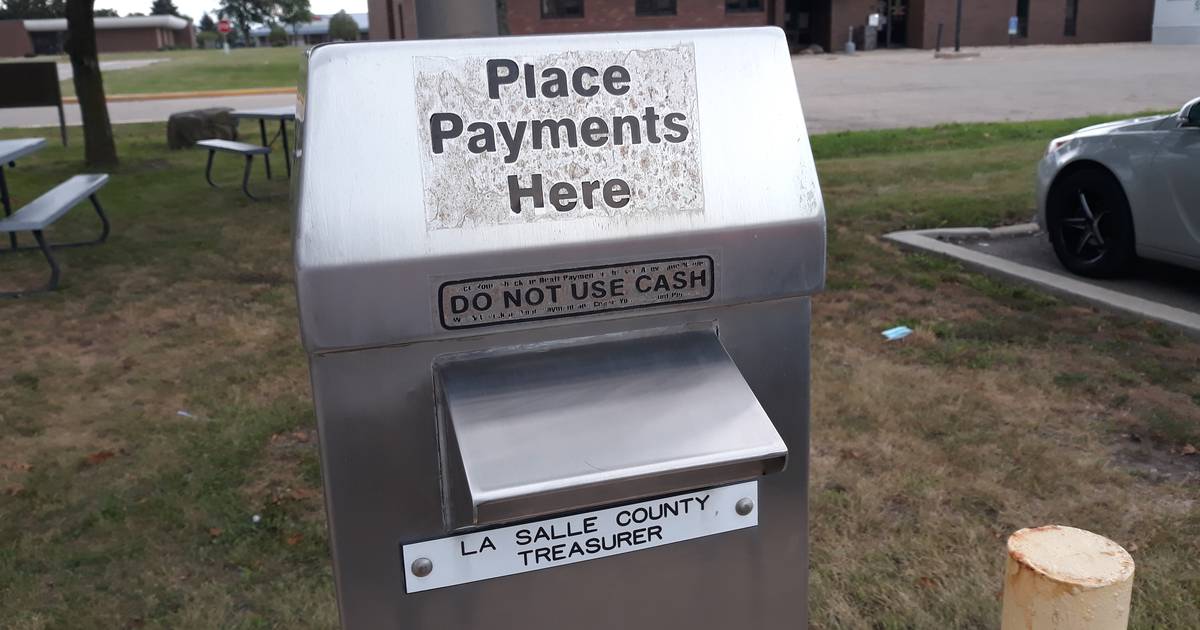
{"x": 433, "y": 164}
{"x": 564, "y": 426}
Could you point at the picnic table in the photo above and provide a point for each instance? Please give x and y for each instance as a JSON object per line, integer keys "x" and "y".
{"x": 282, "y": 114}
{"x": 10, "y": 152}
{"x": 45, "y": 210}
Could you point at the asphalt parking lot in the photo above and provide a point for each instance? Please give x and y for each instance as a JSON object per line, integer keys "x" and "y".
{"x": 1167, "y": 284}
{"x": 910, "y": 88}
{"x": 1156, "y": 291}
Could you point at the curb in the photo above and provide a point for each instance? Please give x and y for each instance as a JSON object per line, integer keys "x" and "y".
{"x": 166, "y": 96}
{"x": 935, "y": 241}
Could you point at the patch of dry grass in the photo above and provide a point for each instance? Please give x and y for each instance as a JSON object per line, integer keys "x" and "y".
{"x": 1007, "y": 408}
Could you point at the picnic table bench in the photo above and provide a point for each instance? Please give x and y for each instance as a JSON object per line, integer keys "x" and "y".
{"x": 230, "y": 146}
{"x": 42, "y": 212}
{"x": 283, "y": 115}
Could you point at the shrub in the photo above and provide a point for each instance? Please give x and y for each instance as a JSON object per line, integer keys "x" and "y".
{"x": 277, "y": 37}
{"x": 208, "y": 39}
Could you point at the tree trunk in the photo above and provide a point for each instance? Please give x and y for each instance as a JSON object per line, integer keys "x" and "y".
{"x": 98, "y": 146}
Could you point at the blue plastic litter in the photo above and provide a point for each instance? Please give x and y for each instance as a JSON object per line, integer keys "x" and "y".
{"x": 899, "y": 332}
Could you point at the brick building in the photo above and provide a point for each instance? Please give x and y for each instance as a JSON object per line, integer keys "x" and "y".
{"x": 827, "y": 23}
{"x": 113, "y": 34}
{"x": 14, "y": 39}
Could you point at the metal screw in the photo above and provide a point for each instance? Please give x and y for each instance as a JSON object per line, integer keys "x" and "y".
{"x": 744, "y": 506}
{"x": 422, "y": 567}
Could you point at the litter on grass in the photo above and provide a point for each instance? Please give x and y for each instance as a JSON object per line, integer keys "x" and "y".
{"x": 899, "y": 332}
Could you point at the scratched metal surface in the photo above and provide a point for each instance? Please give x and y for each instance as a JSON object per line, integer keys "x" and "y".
{"x": 365, "y": 251}
{"x": 370, "y": 266}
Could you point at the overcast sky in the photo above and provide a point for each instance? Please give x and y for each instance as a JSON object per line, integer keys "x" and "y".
{"x": 195, "y": 8}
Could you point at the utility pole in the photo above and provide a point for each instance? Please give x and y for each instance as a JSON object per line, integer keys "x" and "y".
{"x": 958, "y": 26}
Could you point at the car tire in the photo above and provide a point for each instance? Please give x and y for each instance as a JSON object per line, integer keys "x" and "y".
{"x": 1090, "y": 224}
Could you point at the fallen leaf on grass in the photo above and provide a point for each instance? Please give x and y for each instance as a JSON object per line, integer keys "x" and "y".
{"x": 927, "y": 582}
{"x": 294, "y": 539}
{"x": 19, "y": 466}
{"x": 99, "y": 457}
{"x": 214, "y": 531}
{"x": 1187, "y": 449}
{"x": 301, "y": 436}
{"x": 1131, "y": 547}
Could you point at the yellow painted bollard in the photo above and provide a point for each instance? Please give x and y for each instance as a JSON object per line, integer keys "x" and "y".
{"x": 1063, "y": 578}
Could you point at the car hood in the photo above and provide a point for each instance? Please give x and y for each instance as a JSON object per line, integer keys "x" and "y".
{"x": 1144, "y": 123}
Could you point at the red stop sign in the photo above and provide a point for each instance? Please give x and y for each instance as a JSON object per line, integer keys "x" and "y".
{"x": 224, "y": 27}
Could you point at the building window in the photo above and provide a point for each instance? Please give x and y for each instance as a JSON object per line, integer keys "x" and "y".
{"x": 734, "y": 6}
{"x": 655, "y": 7}
{"x": 1022, "y": 18}
{"x": 1072, "y": 14}
{"x": 562, "y": 8}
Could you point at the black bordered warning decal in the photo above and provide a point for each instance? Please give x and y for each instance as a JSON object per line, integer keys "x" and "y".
{"x": 558, "y": 293}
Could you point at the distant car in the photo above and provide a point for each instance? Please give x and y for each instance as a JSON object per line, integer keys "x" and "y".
{"x": 1112, "y": 193}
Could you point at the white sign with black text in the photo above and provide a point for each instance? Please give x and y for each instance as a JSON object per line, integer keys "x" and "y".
{"x": 566, "y": 540}
{"x": 575, "y": 134}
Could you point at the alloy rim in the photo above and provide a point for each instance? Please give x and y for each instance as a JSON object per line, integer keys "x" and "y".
{"x": 1084, "y": 229}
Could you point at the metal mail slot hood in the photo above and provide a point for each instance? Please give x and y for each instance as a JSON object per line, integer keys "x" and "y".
{"x": 567, "y": 426}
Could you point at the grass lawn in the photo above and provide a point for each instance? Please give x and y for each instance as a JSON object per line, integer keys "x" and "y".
{"x": 194, "y": 70}
{"x": 1006, "y": 409}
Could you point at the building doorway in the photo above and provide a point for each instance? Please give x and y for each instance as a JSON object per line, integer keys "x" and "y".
{"x": 806, "y": 22}
{"x": 893, "y": 33}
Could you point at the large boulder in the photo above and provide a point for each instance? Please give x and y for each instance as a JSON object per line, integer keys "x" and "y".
{"x": 185, "y": 128}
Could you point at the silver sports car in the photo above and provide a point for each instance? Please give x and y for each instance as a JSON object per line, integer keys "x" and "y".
{"x": 1111, "y": 193}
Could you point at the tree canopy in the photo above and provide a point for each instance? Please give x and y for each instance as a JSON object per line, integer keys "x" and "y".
{"x": 163, "y": 7}
{"x": 343, "y": 27}
{"x": 207, "y": 24}
{"x": 32, "y": 9}
{"x": 293, "y": 12}
{"x": 244, "y": 13}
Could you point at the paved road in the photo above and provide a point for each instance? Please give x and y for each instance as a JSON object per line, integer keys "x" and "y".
{"x": 900, "y": 88}
{"x": 139, "y": 111}
{"x": 1173, "y": 286}
{"x": 909, "y": 88}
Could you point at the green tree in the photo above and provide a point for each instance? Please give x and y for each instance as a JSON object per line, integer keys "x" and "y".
{"x": 106, "y": 13}
{"x": 294, "y": 13}
{"x": 32, "y": 9}
{"x": 245, "y": 13}
{"x": 98, "y": 146}
{"x": 207, "y": 25}
{"x": 343, "y": 27}
{"x": 163, "y": 7}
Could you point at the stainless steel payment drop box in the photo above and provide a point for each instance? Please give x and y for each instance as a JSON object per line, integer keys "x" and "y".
{"x": 555, "y": 297}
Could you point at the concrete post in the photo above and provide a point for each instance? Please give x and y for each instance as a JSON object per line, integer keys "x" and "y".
{"x": 1062, "y": 578}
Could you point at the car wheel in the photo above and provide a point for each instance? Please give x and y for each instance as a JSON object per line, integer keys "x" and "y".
{"x": 1090, "y": 225}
